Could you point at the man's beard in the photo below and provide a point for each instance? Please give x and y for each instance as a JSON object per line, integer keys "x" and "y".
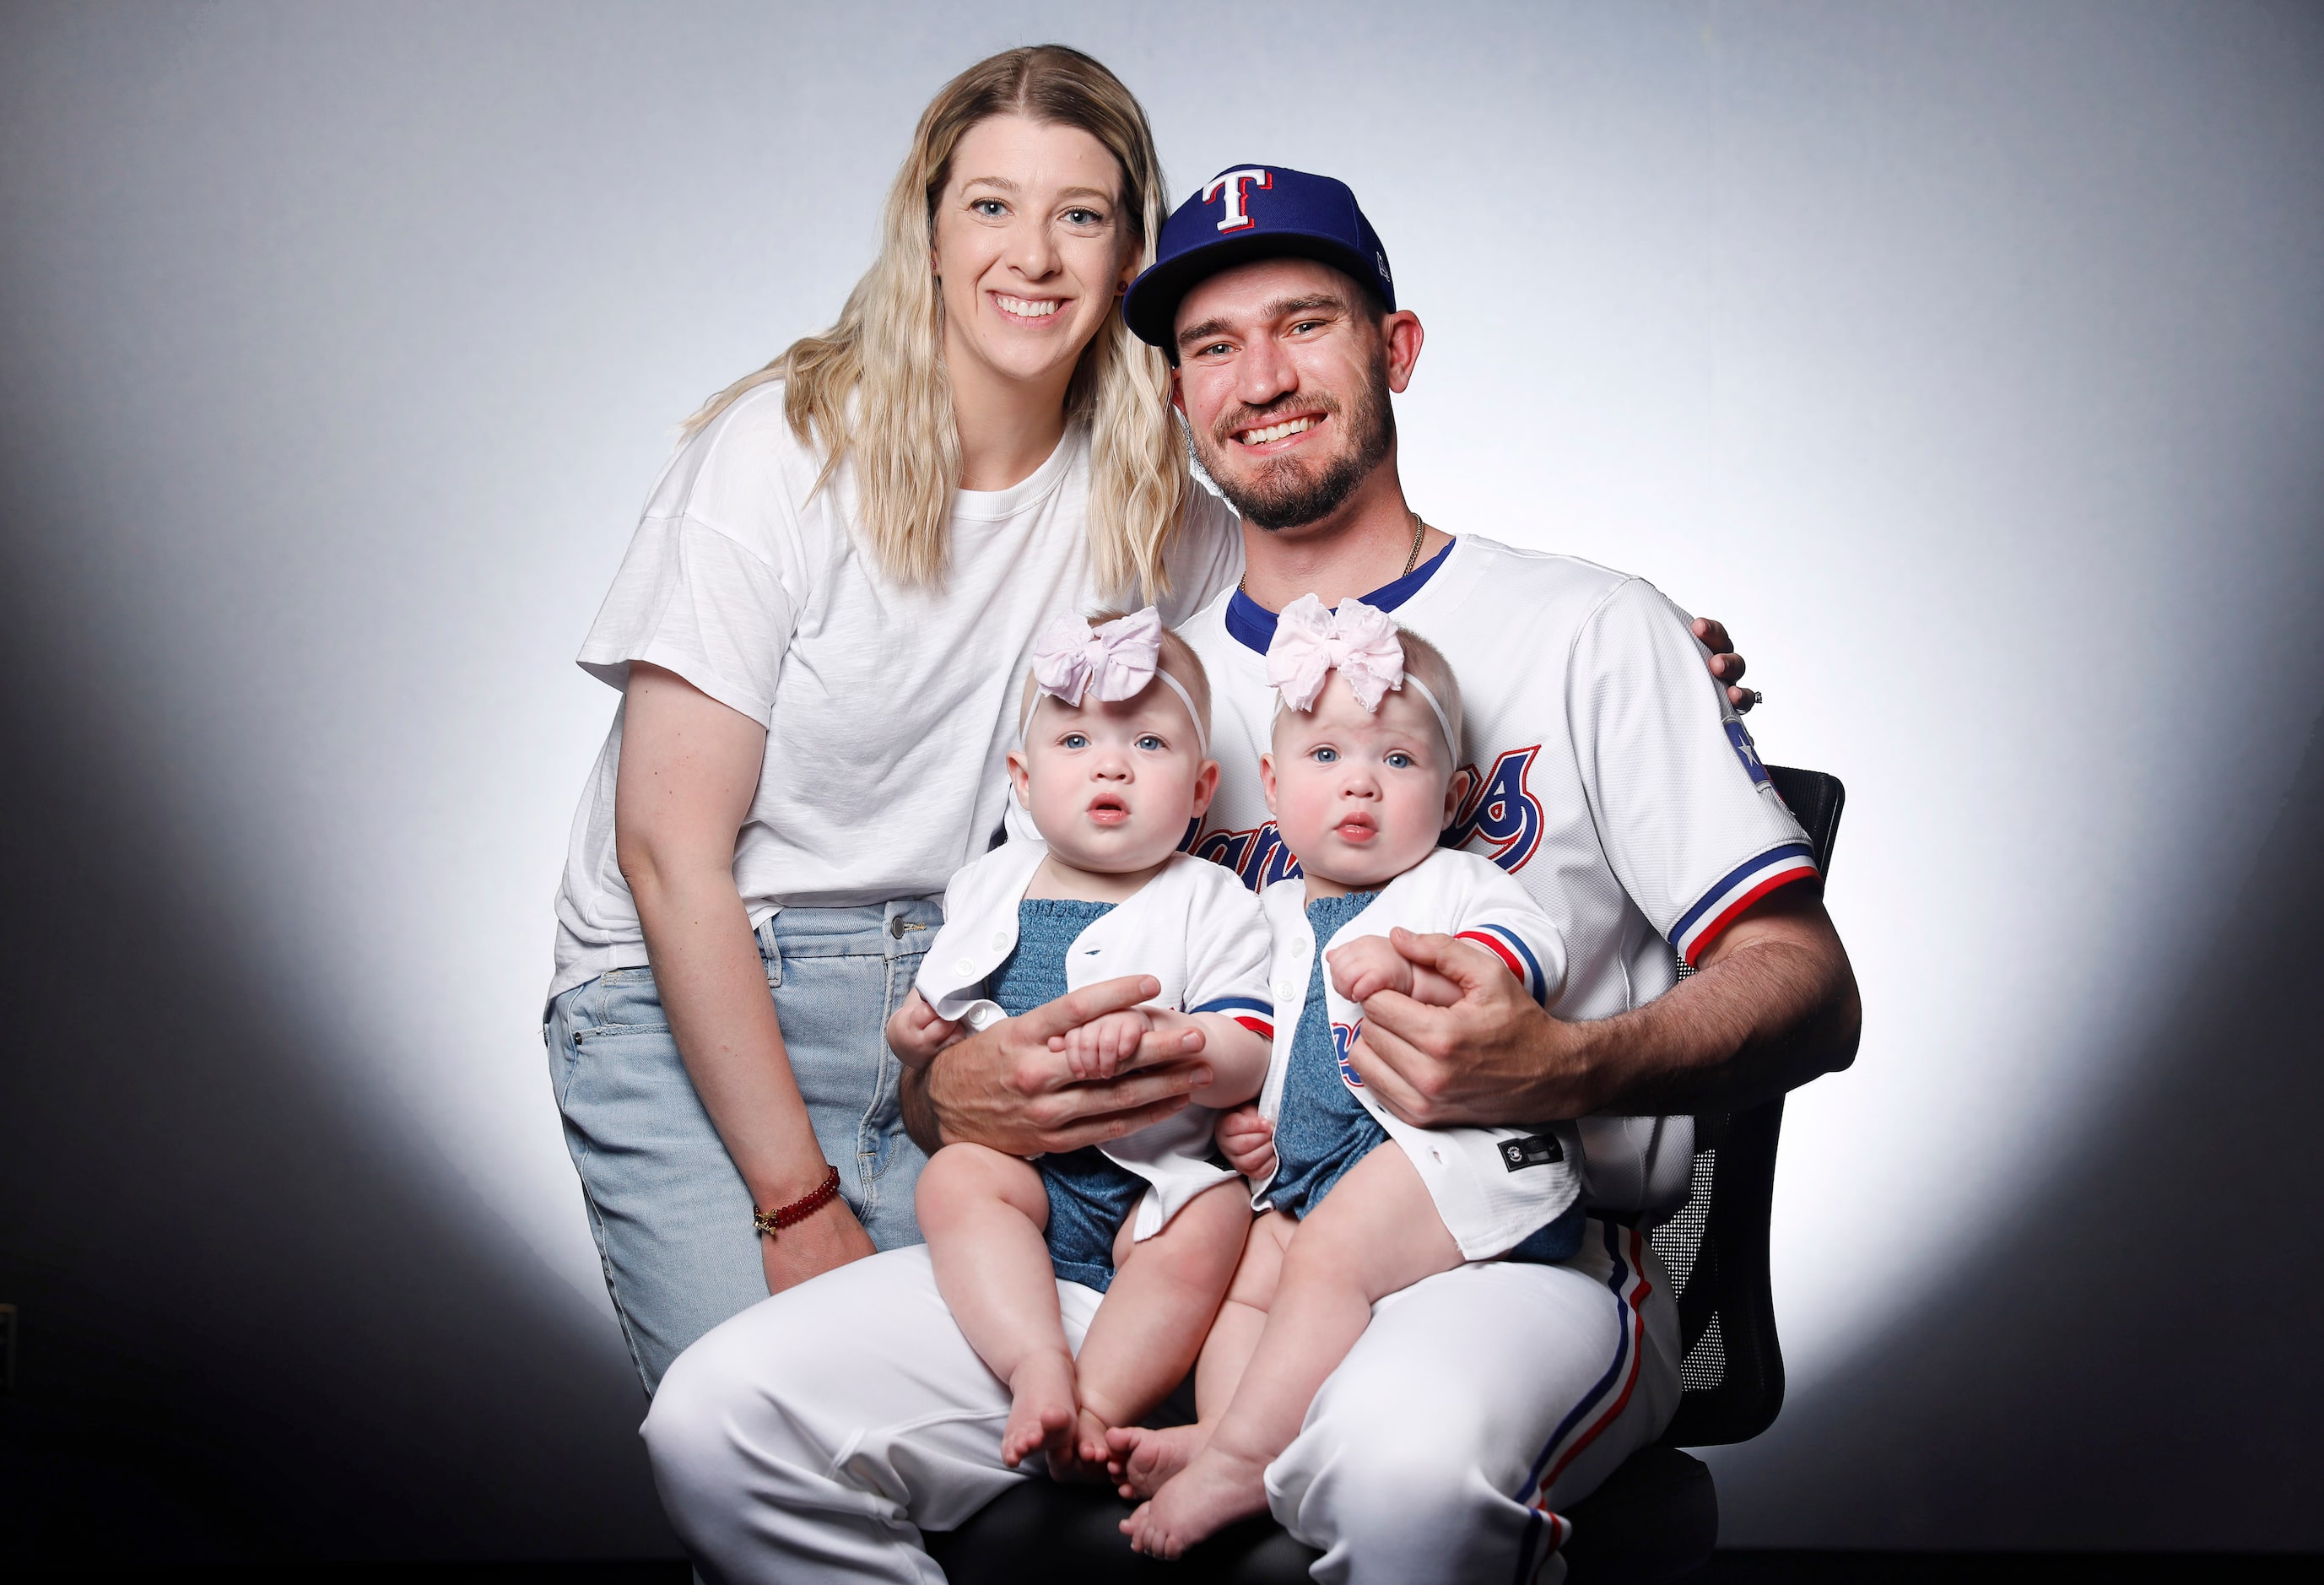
{"x": 1281, "y": 493}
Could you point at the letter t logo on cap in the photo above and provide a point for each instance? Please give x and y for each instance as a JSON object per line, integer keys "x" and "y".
{"x": 1231, "y": 184}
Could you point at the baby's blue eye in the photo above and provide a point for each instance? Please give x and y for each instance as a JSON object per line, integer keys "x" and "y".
{"x": 1325, "y": 756}
{"x": 1074, "y": 740}
{"x": 1151, "y": 744}
{"x": 1400, "y": 760}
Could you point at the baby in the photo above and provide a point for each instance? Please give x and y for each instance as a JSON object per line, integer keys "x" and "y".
{"x": 1361, "y": 1203}
{"x": 1114, "y": 768}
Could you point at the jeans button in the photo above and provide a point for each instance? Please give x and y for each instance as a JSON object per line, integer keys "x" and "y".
{"x": 896, "y": 925}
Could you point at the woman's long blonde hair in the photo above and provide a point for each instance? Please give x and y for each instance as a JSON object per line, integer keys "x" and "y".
{"x": 872, "y": 389}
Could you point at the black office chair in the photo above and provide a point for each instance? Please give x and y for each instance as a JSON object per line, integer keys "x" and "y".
{"x": 1655, "y": 1518}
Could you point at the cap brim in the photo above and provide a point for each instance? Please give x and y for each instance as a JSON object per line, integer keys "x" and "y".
{"x": 1150, "y": 308}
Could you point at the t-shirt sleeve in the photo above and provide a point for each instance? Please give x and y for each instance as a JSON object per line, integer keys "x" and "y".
{"x": 1692, "y": 826}
{"x": 696, "y": 601}
{"x": 1499, "y": 916}
{"x": 1228, "y": 952}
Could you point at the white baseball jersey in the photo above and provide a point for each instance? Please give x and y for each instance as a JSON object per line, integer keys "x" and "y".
{"x": 1191, "y": 928}
{"x": 1492, "y": 1186}
{"x": 1603, "y": 770}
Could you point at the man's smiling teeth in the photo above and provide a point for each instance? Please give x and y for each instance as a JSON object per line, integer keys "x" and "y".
{"x": 1276, "y": 431}
{"x": 1028, "y": 308}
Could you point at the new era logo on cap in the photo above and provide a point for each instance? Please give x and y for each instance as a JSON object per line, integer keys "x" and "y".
{"x": 1249, "y": 212}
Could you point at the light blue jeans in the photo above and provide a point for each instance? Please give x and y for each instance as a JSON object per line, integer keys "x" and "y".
{"x": 671, "y": 1212}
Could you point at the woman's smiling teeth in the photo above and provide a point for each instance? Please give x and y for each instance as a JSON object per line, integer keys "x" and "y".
{"x": 1027, "y": 308}
{"x": 1276, "y": 431}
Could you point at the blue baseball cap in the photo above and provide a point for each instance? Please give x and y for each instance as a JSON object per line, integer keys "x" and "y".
{"x": 1249, "y": 212}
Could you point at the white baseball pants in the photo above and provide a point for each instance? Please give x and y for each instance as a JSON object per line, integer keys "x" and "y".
{"x": 813, "y": 1437}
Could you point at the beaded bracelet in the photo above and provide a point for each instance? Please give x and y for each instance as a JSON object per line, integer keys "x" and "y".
{"x": 771, "y": 1223}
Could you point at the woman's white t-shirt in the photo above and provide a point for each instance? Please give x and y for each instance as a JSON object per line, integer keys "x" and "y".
{"x": 889, "y": 709}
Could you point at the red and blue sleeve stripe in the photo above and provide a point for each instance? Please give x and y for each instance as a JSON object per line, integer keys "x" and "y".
{"x": 1258, "y": 1017}
{"x": 1509, "y": 947}
{"x": 1736, "y": 891}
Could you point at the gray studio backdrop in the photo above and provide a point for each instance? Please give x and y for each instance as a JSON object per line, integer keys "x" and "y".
{"x": 1968, "y": 359}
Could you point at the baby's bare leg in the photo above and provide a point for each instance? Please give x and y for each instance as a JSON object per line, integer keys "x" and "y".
{"x": 1226, "y": 1353}
{"x": 1140, "y": 1458}
{"x": 982, "y": 1213}
{"x": 1165, "y": 1292}
{"x": 1376, "y": 1233}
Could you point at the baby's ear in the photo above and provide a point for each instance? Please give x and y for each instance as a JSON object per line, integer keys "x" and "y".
{"x": 1206, "y": 788}
{"x": 1267, "y": 780}
{"x": 1020, "y": 777}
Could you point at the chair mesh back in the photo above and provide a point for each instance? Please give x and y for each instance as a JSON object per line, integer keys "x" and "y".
{"x": 1679, "y": 1242}
{"x": 1715, "y": 1248}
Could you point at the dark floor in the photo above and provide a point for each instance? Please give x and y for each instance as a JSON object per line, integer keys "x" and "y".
{"x": 1729, "y": 1568}
{"x": 82, "y": 1499}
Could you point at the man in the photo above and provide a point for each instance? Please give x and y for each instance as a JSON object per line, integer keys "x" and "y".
{"x": 804, "y": 1438}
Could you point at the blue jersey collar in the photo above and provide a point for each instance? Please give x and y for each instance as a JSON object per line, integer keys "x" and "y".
{"x": 1252, "y": 625}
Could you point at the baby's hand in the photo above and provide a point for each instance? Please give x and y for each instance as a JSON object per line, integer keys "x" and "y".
{"x": 1371, "y": 964}
{"x": 1248, "y": 1141}
{"x": 1097, "y": 1049}
{"x": 915, "y": 1033}
{"x": 1367, "y": 966}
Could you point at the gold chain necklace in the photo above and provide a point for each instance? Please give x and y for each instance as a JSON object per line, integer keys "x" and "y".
{"x": 1411, "y": 557}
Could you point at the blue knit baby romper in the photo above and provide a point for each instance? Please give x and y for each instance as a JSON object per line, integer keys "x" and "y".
{"x": 1091, "y": 1194}
{"x": 1321, "y": 1129}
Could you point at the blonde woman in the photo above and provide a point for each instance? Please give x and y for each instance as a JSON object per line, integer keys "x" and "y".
{"x": 818, "y": 632}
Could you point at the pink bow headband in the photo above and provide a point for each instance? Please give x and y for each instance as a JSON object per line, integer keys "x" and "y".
{"x": 1113, "y": 661}
{"x": 1356, "y": 641}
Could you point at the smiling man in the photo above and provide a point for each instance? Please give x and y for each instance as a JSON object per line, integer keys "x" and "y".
{"x": 1603, "y": 769}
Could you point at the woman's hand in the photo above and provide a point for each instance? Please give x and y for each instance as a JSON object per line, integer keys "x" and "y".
{"x": 1248, "y": 1141}
{"x": 1725, "y": 664}
{"x": 1005, "y": 1088}
{"x": 832, "y": 1236}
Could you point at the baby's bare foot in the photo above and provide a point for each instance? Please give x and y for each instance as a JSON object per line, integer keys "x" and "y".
{"x": 1212, "y": 1491}
{"x": 1041, "y": 1408}
{"x": 1089, "y": 1434}
{"x": 1141, "y": 1459}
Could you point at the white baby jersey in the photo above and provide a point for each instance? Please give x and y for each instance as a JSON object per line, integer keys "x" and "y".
{"x": 1602, "y": 768}
{"x": 1192, "y": 926}
{"x": 1492, "y": 1186}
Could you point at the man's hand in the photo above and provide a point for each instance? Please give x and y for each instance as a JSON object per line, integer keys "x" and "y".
{"x": 1005, "y": 1088}
{"x": 1371, "y": 964}
{"x": 1725, "y": 664}
{"x": 1772, "y": 1004}
{"x": 1491, "y": 1057}
{"x": 1248, "y": 1141}
{"x": 1098, "y": 1049}
{"x": 915, "y": 1033}
{"x": 832, "y": 1236}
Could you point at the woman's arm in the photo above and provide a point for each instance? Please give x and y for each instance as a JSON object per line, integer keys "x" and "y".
{"x": 689, "y": 768}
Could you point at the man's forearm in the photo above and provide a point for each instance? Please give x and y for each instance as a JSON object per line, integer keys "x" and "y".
{"x": 919, "y": 1112}
{"x": 1775, "y": 1009}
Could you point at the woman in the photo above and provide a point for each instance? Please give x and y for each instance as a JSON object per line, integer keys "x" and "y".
{"x": 818, "y": 631}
